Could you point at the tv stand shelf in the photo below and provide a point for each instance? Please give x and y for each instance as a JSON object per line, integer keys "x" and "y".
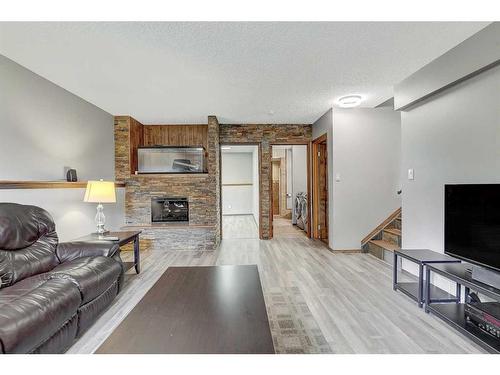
{"x": 454, "y": 313}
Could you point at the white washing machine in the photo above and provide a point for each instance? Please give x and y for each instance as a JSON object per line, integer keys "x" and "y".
{"x": 297, "y": 209}
{"x": 302, "y": 207}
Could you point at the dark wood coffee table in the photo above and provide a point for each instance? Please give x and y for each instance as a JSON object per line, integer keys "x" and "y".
{"x": 124, "y": 237}
{"x": 216, "y": 309}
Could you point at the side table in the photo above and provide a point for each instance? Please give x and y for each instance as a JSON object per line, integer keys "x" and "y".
{"x": 123, "y": 239}
{"x": 415, "y": 290}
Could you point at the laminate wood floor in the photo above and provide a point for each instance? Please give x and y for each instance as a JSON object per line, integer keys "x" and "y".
{"x": 283, "y": 228}
{"x": 239, "y": 226}
{"x": 317, "y": 301}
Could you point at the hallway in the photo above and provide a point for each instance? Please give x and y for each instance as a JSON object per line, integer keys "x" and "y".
{"x": 283, "y": 228}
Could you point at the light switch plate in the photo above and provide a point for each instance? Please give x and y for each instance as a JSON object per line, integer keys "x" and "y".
{"x": 337, "y": 177}
{"x": 411, "y": 174}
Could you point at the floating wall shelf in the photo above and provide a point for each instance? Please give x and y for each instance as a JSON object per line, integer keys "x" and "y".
{"x": 47, "y": 184}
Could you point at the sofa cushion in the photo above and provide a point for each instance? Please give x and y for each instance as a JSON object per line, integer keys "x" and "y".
{"x": 92, "y": 275}
{"x": 68, "y": 251}
{"x": 28, "y": 242}
{"x": 32, "y": 310}
{"x": 88, "y": 313}
{"x": 22, "y": 225}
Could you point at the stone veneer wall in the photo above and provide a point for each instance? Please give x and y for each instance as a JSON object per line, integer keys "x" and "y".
{"x": 265, "y": 135}
{"x": 202, "y": 191}
{"x": 214, "y": 170}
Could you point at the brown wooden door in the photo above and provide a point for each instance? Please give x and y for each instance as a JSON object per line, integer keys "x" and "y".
{"x": 323, "y": 192}
{"x": 320, "y": 189}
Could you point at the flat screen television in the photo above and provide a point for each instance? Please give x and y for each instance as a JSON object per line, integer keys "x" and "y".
{"x": 472, "y": 223}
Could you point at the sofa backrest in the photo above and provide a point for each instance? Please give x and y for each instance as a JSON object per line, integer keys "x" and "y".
{"x": 28, "y": 242}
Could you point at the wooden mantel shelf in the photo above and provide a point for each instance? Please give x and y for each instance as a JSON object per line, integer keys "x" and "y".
{"x": 4, "y": 184}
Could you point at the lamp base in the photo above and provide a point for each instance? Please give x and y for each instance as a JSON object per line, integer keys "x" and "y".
{"x": 100, "y": 219}
{"x": 101, "y": 233}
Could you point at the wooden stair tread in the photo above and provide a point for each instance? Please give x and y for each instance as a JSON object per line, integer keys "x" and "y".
{"x": 389, "y": 246}
{"x": 394, "y": 217}
{"x": 394, "y": 231}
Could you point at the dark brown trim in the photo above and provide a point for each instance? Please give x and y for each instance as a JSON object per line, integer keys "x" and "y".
{"x": 309, "y": 182}
{"x": 274, "y": 161}
{"x": 259, "y": 148}
{"x": 315, "y": 187}
{"x": 270, "y": 178}
{"x": 47, "y": 184}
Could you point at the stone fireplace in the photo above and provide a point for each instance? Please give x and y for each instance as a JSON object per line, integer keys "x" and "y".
{"x": 150, "y": 197}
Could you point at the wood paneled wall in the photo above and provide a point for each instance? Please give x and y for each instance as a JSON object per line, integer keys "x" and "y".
{"x": 176, "y": 135}
{"x": 161, "y": 135}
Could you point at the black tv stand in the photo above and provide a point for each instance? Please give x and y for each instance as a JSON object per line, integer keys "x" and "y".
{"x": 486, "y": 276}
{"x": 453, "y": 313}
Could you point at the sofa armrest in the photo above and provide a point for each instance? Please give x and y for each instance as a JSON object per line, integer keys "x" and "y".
{"x": 67, "y": 251}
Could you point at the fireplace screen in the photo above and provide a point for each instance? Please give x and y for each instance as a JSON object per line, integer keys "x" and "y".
{"x": 165, "y": 210}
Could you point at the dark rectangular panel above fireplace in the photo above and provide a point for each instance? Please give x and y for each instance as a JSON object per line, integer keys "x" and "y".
{"x": 167, "y": 210}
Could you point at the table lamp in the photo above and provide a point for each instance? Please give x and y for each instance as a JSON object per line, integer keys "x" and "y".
{"x": 100, "y": 192}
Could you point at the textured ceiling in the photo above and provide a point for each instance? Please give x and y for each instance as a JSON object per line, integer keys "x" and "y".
{"x": 241, "y": 72}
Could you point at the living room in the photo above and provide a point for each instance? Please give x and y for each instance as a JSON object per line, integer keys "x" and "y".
{"x": 211, "y": 188}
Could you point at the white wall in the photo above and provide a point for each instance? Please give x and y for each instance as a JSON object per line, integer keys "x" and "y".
{"x": 72, "y": 216}
{"x": 470, "y": 57}
{"x": 237, "y": 168}
{"x": 364, "y": 149}
{"x": 366, "y": 156}
{"x": 453, "y": 137}
{"x": 44, "y": 129}
{"x": 299, "y": 174}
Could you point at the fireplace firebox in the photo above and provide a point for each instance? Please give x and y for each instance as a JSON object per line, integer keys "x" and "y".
{"x": 166, "y": 210}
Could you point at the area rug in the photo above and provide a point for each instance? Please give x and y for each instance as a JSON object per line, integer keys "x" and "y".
{"x": 293, "y": 326}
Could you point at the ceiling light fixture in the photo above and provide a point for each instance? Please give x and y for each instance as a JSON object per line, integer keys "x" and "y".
{"x": 349, "y": 101}
{"x": 225, "y": 148}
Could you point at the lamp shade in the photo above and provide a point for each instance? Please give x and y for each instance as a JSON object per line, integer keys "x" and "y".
{"x": 100, "y": 192}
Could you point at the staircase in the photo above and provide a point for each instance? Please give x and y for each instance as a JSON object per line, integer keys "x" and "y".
{"x": 383, "y": 240}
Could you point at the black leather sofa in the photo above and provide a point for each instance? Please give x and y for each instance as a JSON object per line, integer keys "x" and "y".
{"x": 50, "y": 292}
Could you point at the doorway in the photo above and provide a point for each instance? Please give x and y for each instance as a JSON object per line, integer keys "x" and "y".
{"x": 289, "y": 181}
{"x": 240, "y": 191}
{"x": 320, "y": 189}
